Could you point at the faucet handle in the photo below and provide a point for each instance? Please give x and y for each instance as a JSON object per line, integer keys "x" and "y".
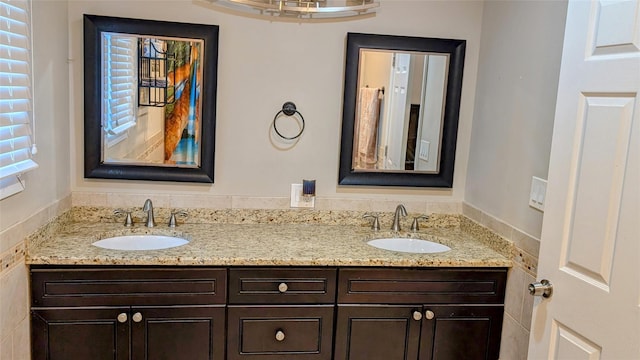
{"x": 375, "y": 225}
{"x": 172, "y": 218}
{"x": 415, "y": 226}
{"x": 128, "y": 221}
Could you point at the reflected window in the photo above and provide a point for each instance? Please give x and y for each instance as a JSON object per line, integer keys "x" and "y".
{"x": 119, "y": 79}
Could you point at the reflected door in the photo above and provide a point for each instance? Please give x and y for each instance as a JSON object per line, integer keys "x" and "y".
{"x": 590, "y": 247}
{"x": 394, "y": 122}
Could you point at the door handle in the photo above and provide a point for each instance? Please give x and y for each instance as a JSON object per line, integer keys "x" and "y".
{"x": 543, "y": 288}
{"x": 137, "y": 317}
{"x": 122, "y": 318}
{"x": 429, "y": 315}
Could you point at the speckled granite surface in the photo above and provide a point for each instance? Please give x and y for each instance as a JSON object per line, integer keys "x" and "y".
{"x": 256, "y": 237}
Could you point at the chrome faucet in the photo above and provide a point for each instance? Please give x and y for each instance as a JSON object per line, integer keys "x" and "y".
{"x": 400, "y": 211}
{"x": 148, "y": 207}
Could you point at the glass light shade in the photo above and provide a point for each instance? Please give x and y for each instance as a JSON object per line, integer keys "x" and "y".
{"x": 303, "y": 8}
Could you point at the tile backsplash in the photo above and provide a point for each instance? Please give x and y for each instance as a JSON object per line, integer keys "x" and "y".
{"x": 518, "y": 303}
{"x": 247, "y": 202}
{"x": 14, "y": 280}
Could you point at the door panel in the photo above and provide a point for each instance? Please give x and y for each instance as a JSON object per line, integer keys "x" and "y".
{"x": 461, "y": 332}
{"x": 597, "y": 169}
{"x": 569, "y": 344}
{"x": 376, "y": 332}
{"x": 63, "y": 334}
{"x": 395, "y": 120}
{"x": 168, "y": 333}
{"x": 589, "y": 246}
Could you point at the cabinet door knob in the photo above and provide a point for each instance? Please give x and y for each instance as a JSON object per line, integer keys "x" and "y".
{"x": 137, "y": 317}
{"x": 417, "y": 315}
{"x": 429, "y": 314}
{"x": 283, "y": 287}
{"x": 122, "y": 318}
{"x": 280, "y": 335}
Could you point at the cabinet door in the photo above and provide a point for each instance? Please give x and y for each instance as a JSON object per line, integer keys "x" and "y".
{"x": 180, "y": 332}
{"x": 96, "y": 334}
{"x": 377, "y": 332}
{"x": 467, "y": 332}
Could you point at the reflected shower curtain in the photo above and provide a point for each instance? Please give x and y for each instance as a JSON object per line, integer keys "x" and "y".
{"x": 366, "y": 129}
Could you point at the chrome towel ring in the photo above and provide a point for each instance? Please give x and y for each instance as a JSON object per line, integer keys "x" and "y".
{"x": 288, "y": 109}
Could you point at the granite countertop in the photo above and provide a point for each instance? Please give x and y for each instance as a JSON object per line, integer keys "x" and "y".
{"x": 68, "y": 242}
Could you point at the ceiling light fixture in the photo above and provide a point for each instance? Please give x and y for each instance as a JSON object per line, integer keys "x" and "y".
{"x": 303, "y": 9}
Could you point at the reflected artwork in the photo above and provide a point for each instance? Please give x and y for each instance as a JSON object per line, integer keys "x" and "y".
{"x": 151, "y": 95}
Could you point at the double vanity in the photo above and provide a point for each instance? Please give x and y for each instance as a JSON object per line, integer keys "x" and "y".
{"x": 262, "y": 285}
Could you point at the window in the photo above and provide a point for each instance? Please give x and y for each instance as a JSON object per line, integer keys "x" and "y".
{"x": 16, "y": 106}
{"x": 119, "y": 80}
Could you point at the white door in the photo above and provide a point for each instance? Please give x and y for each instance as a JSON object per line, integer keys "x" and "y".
{"x": 590, "y": 248}
{"x": 395, "y": 142}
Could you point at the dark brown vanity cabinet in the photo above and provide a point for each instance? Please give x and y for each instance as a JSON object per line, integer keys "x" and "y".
{"x": 257, "y": 313}
{"x": 419, "y": 314}
{"x": 135, "y": 313}
{"x": 281, "y": 313}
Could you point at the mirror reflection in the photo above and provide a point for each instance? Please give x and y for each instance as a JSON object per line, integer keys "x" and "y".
{"x": 399, "y": 110}
{"x": 150, "y": 99}
{"x": 151, "y": 89}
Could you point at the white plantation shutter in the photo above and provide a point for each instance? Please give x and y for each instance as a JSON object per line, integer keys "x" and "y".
{"x": 119, "y": 85}
{"x": 16, "y": 107}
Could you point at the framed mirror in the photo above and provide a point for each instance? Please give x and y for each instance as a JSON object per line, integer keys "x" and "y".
{"x": 150, "y": 99}
{"x": 400, "y": 110}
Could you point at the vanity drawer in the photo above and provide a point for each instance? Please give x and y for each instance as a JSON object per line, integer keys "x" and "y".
{"x": 282, "y": 286}
{"x": 102, "y": 286}
{"x": 279, "y": 332}
{"x": 422, "y": 286}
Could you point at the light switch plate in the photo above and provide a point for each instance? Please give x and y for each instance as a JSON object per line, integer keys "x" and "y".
{"x": 299, "y": 201}
{"x": 538, "y": 193}
{"x": 424, "y": 150}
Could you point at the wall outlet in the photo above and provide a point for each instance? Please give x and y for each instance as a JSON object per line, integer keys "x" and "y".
{"x": 538, "y": 193}
{"x": 300, "y": 201}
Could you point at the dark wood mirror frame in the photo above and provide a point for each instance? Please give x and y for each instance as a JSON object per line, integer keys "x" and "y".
{"x": 455, "y": 49}
{"x": 94, "y": 26}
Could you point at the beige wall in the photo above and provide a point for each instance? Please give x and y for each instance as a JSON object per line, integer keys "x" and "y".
{"x": 513, "y": 119}
{"x": 262, "y": 64}
{"x": 51, "y": 180}
{"x": 48, "y": 187}
{"x": 515, "y": 101}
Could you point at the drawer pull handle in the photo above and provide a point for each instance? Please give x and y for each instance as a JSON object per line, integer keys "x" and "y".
{"x": 137, "y": 317}
{"x": 417, "y": 315}
{"x": 283, "y": 287}
{"x": 280, "y": 335}
{"x": 429, "y": 314}
{"x": 122, "y": 318}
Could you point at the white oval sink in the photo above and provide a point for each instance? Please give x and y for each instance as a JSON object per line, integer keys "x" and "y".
{"x": 140, "y": 242}
{"x": 409, "y": 245}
